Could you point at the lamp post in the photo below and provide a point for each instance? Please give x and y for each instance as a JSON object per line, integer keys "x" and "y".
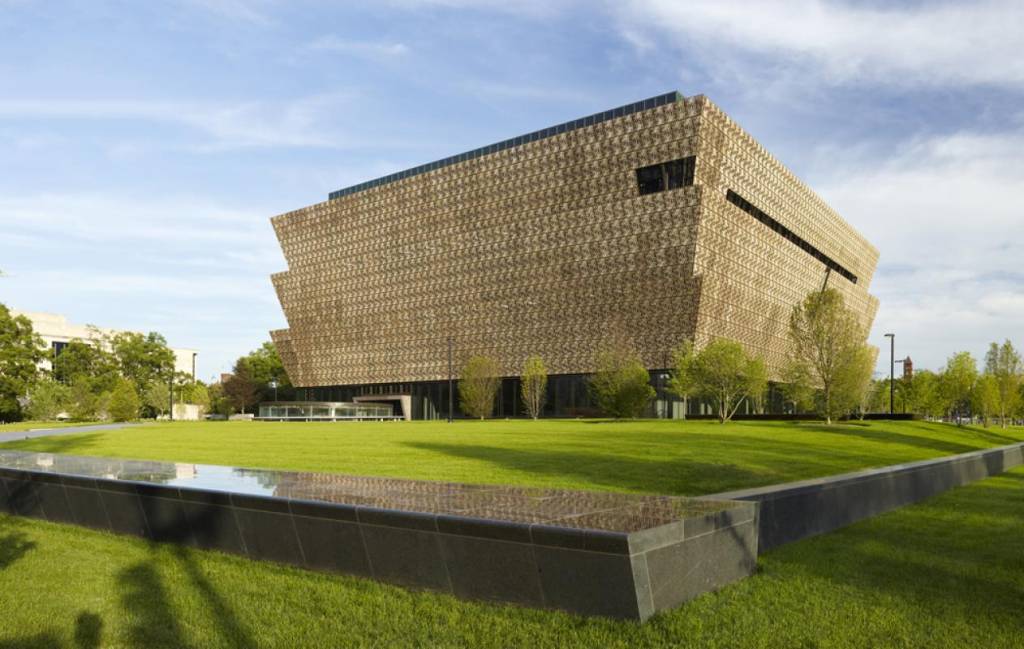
{"x": 170, "y": 396}
{"x": 892, "y": 373}
{"x": 273, "y": 384}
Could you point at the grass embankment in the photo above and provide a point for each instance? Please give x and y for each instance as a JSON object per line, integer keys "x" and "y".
{"x": 654, "y": 456}
{"x": 948, "y": 573}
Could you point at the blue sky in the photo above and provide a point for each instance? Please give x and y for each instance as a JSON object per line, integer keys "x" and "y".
{"x": 144, "y": 146}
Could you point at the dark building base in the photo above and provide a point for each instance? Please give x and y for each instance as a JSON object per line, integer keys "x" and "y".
{"x": 568, "y": 395}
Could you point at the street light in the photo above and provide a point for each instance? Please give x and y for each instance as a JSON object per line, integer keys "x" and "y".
{"x": 892, "y": 373}
{"x": 273, "y": 384}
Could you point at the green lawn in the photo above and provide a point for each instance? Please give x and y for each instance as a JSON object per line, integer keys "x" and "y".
{"x": 29, "y": 425}
{"x": 948, "y": 573}
{"x": 655, "y": 456}
{"x": 945, "y": 573}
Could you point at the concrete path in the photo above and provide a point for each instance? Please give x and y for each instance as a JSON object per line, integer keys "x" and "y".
{"x": 47, "y": 432}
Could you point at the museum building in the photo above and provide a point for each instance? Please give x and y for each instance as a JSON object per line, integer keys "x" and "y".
{"x": 646, "y": 225}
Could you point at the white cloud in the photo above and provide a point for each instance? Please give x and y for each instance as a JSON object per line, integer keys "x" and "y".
{"x": 927, "y": 43}
{"x": 370, "y": 49}
{"x": 303, "y": 122}
{"x": 945, "y": 213}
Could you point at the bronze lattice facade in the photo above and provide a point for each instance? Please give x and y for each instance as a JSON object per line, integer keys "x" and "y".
{"x": 652, "y": 223}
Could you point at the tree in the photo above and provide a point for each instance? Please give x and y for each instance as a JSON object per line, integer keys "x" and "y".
{"x": 84, "y": 359}
{"x": 620, "y": 386}
{"x": 925, "y": 397}
{"x": 85, "y": 401}
{"x": 853, "y": 389}
{"x": 143, "y": 359}
{"x": 124, "y": 402}
{"x": 534, "y": 385}
{"x": 796, "y": 387}
{"x": 240, "y": 389}
{"x": 47, "y": 399}
{"x": 985, "y": 398}
{"x": 157, "y": 397}
{"x": 264, "y": 366}
{"x": 20, "y": 352}
{"x": 197, "y": 393}
{"x": 1003, "y": 363}
{"x": 826, "y": 340}
{"x": 481, "y": 378}
{"x": 680, "y": 382}
{"x": 725, "y": 374}
{"x": 958, "y": 381}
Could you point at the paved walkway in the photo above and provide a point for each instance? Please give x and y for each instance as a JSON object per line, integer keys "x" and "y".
{"x": 47, "y": 432}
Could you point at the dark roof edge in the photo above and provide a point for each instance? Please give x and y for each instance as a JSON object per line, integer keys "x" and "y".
{"x": 590, "y": 120}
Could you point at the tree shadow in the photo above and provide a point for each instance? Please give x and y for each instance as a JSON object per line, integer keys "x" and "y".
{"x": 88, "y": 630}
{"x": 231, "y": 629}
{"x": 14, "y": 546}
{"x": 673, "y": 475}
{"x": 151, "y": 622}
{"x": 67, "y": 444}
{"x": 889, "y": 437}
{"x": 959, "y": 552}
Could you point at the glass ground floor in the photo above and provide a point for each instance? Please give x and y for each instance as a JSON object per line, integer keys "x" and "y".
{"x": 568, "y": 396}
{"x": 325, "y": 411}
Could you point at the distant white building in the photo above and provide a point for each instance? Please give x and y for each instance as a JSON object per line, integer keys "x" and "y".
{"x": 56, "y": 332}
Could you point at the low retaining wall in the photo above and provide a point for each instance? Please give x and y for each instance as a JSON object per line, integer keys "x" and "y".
{"x": 793, "y": 511}
{"x": 618, "y": 555}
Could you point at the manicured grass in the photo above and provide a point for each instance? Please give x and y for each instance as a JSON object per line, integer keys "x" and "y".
{"x": 654, "y": 456}
{"x": 29, "y": 425}
{"x": 948, "y": 573}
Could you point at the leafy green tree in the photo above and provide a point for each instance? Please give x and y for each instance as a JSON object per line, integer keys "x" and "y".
{"x": 124, "y": 404}
{"x": 681, "y": 382}
{"x": 81, "y": 358}
{"x": 143, "y": 359}
{"x": 157, "y": 397}
{"x": 219, "y": 402}
{"x": 87, "y": 400}
{"x": 853, "y": 389}
{"x": 240, "y": 389}
{"x": 620, "y": 386}
{"x": 1003, "y": 364}
{"x": 827, "y": 342}
{"x": 478, "y": 386}
{"x": 534, "y": 385}
{"x": 264, "y": 366}
{"x": 958, "y": 382}
{"x": 726, "y": 375}
{"x": 20, "y": 352}
{"x": 197, "y": 393}
{"x": 985, "y": 398}
{"x": 796, "y": 387}
{"x": 47, "y": 399}
{"x": 925, "y": 397}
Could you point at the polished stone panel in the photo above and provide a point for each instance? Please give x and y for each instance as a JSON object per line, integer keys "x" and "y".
{"x": 269, "y": 535}
{"x": 493, "y": 570}
{"x": 88, "y": 509}
{"x": 406, "y": 556}
{"x": 332, "y": 545}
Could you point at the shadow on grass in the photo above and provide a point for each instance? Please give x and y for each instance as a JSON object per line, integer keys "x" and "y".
{"x": 673, "y": 475}
{"x": 959, "y": 552}
{"x": 14, "y": 546}
{"x": 88, "y": 631}
{"x": 70, "y": 444}
{"x": 151, "y": 622}
{"x": 890, "y": 437}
